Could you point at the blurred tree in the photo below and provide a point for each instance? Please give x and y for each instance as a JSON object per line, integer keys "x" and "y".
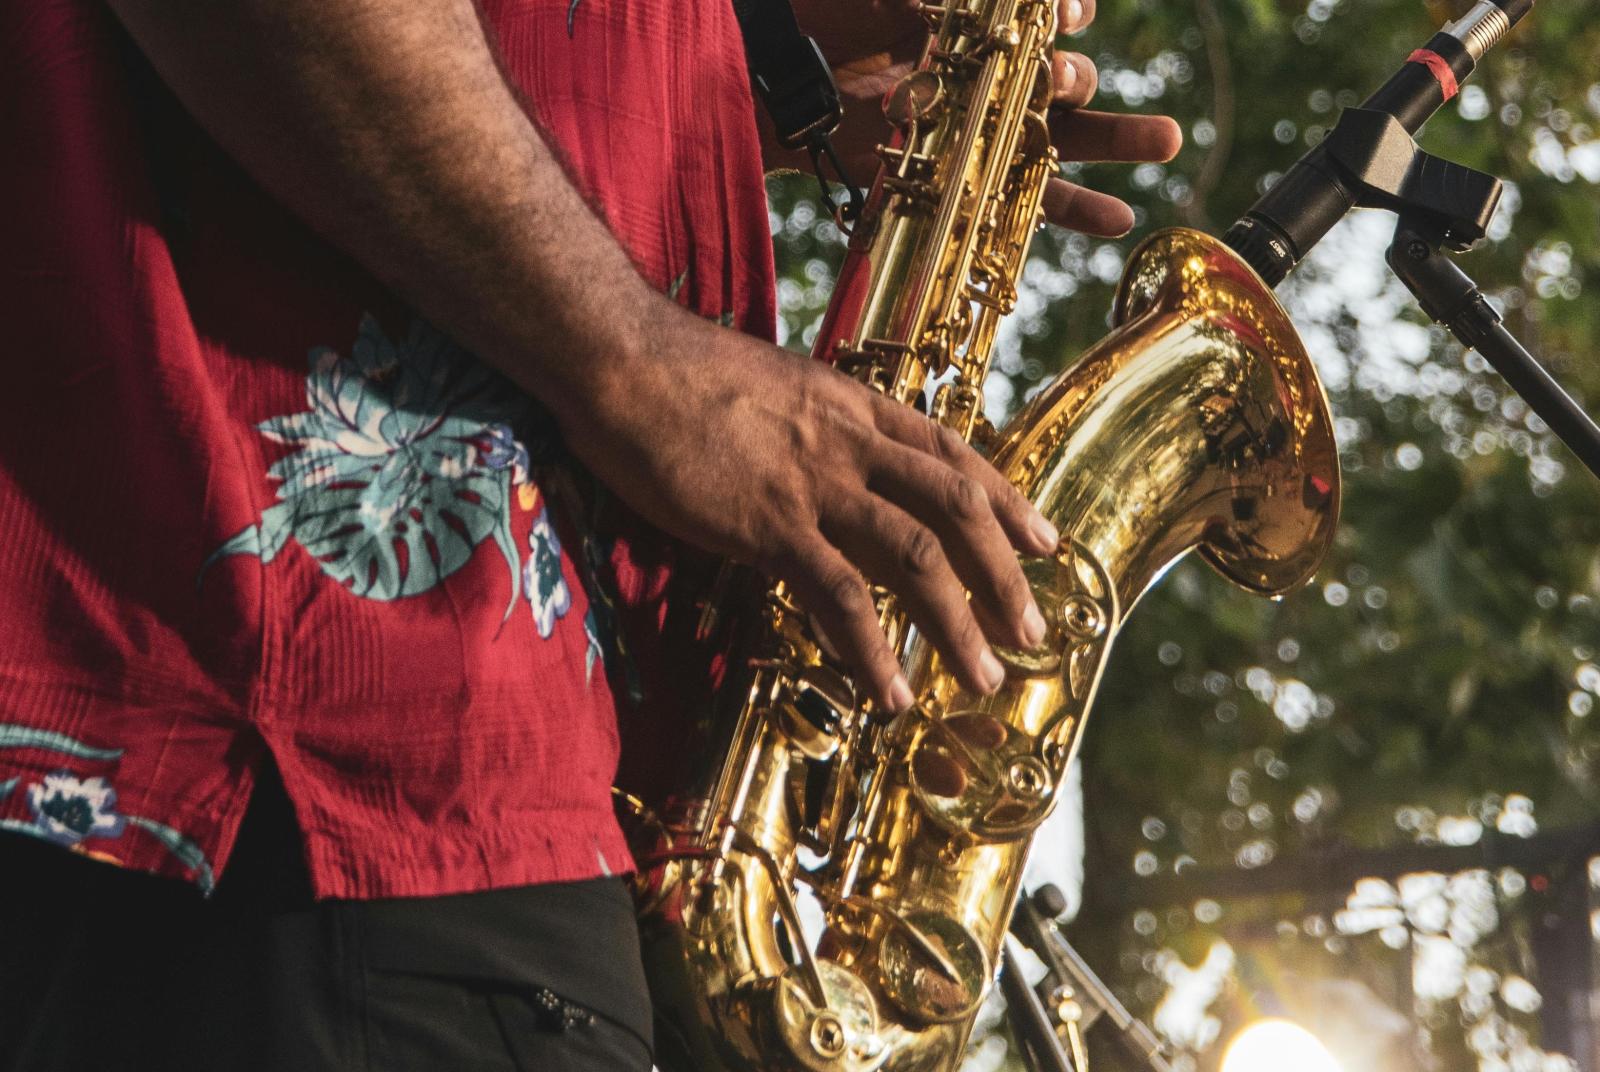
{"x": 1435, "y": 685}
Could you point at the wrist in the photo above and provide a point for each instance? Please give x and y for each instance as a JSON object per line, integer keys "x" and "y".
{"x": 559, "y": 344}
{"x": 604, "y": 359}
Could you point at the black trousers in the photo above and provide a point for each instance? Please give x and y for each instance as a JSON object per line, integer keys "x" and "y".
{"x": 104, "y": 970}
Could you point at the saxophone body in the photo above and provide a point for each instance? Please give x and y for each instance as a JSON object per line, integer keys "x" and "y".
{"x": 1198, "y": 424}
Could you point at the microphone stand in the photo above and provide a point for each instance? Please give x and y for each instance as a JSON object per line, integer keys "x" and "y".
{"x": 1032, "y": 1026}
{"x": 1077, "y": 996}
{"x": 1450, "y": 298}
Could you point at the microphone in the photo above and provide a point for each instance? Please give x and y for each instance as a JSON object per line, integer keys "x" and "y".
{"x": 1375, "y": 157}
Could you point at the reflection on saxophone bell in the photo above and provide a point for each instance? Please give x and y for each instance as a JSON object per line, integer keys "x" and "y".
{"x": 1198, "y": 424}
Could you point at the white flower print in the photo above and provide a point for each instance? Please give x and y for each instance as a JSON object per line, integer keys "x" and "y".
{"x": 69, "y": 809}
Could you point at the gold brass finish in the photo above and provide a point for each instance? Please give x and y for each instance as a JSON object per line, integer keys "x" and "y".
{"x": 1198, "y": 424}
{"x": 1231, "y": 450}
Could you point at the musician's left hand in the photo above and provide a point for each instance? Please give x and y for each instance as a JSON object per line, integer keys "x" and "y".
{"x": 873, "y": 45}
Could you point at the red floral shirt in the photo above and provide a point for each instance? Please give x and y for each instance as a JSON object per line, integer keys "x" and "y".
{"x": 253, "y": 506}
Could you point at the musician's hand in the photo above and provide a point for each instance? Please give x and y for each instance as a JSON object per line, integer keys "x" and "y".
{"x": 1085, "y": 136}
{"x": 777, "y": 460}
{"x": 874, "y": 45}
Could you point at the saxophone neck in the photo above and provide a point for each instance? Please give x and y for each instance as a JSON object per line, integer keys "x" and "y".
{"x": 1198, "y": 423}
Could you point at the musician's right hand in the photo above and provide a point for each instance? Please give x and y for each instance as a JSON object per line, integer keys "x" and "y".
{"x": 779, "y": 461}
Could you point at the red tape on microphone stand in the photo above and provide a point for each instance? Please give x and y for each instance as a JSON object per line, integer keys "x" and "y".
{"x": 1440, "y": 68}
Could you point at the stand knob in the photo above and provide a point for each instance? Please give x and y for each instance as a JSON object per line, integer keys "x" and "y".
{"x": 1049, "y": 901}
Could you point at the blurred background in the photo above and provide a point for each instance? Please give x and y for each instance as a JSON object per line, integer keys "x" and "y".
{"x": 1370, "y": 809}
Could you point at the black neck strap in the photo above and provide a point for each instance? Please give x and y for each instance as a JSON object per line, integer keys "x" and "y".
{"x": 795, "y": 84}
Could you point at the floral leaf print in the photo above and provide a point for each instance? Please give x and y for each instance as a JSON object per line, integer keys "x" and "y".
{"x": 603, "y": 638}
{"x": 187, "y": 852}
{"x": 592, "y": 649}
{"x": 7, "y": 786}
{"x": 67, "y": 809}
{"x": 14, "y": 736}
{"x": 403, "y": 463}
{"x": 547, "y": 590}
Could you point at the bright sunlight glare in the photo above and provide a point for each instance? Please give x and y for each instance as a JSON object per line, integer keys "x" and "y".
{"x": 1275, "y": 1046}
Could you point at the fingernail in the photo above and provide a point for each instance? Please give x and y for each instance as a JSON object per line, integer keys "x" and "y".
{"x": 900, "y": 693}
{"x": 994, "y": 675}
{"x": 1045, "y": 532}
{"x": 1074, "y": 14}
{"x": 1032, "y": 625}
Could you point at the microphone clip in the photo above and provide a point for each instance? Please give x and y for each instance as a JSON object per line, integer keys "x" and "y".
{"x": 1384, "y": 167}
{"x": 1368, "y": 160}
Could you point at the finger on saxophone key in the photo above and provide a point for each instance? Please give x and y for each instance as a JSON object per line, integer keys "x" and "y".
{"x": 1032, "y": 625}
{"x": 994, "y": 675}
{"x": 900, "y": 696}
{"x": 1045, "y": 535}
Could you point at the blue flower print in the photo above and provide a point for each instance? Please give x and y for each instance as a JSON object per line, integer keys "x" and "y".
{"x": 547, "y": 590}
{"x": 68, "y": 809}
{"x": 502, "y": 451}
{"x": 404, "y": 461}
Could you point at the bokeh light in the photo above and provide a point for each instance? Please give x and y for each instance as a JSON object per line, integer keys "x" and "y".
{"x": 1276, "y": 1046}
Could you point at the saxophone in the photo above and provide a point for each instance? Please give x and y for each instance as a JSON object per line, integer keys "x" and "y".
{"x": 1198, "y": 424}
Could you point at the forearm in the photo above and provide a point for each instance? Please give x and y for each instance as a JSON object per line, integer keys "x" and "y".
{"x": 390, "y": 129}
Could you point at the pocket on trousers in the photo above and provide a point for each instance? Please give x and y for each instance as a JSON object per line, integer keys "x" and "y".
{"x": 537, "y": 1045}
